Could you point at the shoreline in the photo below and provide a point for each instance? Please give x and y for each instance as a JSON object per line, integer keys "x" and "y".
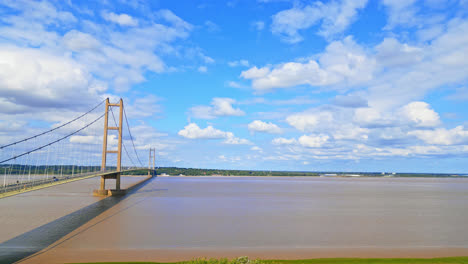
{"x": 302, "y": 176}
{"x": 63, "y": 255}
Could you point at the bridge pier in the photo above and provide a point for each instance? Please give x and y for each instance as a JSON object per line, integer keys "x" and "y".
{"x": 116, "y": 175}
{"x": 111, "y": 192}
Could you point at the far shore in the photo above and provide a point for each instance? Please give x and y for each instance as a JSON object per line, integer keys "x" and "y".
{"x": 318, "y": 176}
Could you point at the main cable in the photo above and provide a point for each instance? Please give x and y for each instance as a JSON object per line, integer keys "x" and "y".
{"x": 133, "y": 143}
{"x": 53, "y": 129}
{"x": 53, "y": 142}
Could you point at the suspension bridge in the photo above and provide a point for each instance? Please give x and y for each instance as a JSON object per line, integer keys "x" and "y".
{"x": 97, "y": 143}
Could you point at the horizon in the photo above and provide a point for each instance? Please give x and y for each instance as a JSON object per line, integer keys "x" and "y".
{"x": 306, "y": 86}
{"x": 256, "y": 170}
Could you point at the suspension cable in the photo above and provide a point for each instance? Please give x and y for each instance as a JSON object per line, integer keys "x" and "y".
{"x": 123, "y": 144}
{"x": 133, "y": 143}
{"x": 53, "y": 129}
{"x": 53, "y": 142}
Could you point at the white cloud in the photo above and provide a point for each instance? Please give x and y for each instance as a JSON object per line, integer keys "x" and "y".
{"x": 260, "y": 126}
{"x": 284, "y": 141}
{"x": 78, "y": 41}
{"x": 392, "y": 53}
{"x": 390, "y": 74}
{"x": 414, "y": 114}
{"x": 335, "y": 17}
{"x": 256, "y": 148}
{"x": 146, "y": 106}
{"x": 235, "y": 85}
{"x": 84, "y": 139}
{"x": 237, "y": 63}
{"x": 56, "y": 65}
{"x": 442, "y": 136}
{"x": 309, "y": 121}
{"x": 401, "y": 12}
{"x": 371, "y": 117}
{"x": 308, "y": 141}
{"x": 34, "y": 78}
{"x": 343, "y": 62}
{"x": 219, "y": 107}
{"x": 193, "y": 131}
{"x": 122, "y": 19}
{"x": 172, "y": 18}
{"x": 313, "y": 141}
{"x": 420, "y": 114}
{"x": 236, "y": 141}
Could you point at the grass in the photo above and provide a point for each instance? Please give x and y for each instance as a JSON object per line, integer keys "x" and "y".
{"x": 246, "y": 260}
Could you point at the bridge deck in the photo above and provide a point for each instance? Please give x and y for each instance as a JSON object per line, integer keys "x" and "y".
{"x": 17, "y": 188}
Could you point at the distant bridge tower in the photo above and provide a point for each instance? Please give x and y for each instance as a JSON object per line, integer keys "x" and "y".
{"x": 152, "y": 162}
{"x": 102, "y": 190}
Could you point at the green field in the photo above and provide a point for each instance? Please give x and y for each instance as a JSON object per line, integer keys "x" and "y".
{"x": 244, "y": 260}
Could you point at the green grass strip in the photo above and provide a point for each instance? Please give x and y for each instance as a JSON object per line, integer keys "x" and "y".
{"x": 245, "y": 260}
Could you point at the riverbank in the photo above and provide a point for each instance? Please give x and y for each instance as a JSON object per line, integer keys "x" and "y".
{"x": 245, "y": 260}
{"x": 268, "y": 255}
{"x": 320, "y": 176}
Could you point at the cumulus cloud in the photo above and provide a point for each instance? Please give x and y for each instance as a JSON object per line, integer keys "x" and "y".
{"x": 193, "y": 131}
{"x": 335, "y": 17}
{"x": 122, "y": 19}
{"x": 87, "y": 58}
{"x": 219, "y": 107}
{"x": 313, "y": 141}
{"x": 33, "y": 78}
{"x": 342, "y": 62}
{"x": 260, "y": 126}
{"x": 420, "y": 114}
{"x": 442, "y": 136}
{"x": 309, "y": 121}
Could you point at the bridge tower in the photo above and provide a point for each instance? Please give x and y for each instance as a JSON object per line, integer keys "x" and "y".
{"x": 102, "y": 190}
{"x": 151, "y": 162}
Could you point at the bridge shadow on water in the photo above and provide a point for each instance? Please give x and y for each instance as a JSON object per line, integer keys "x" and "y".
{"x": 41, "y": 237}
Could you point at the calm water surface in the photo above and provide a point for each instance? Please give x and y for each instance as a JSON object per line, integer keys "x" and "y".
{"x": 227, "y": 212}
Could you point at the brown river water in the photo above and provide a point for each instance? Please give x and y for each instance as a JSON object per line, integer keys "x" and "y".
{"x": 173, "y": 218}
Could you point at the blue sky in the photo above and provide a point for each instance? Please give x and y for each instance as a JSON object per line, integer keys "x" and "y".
{"x": 268, "y": 84}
